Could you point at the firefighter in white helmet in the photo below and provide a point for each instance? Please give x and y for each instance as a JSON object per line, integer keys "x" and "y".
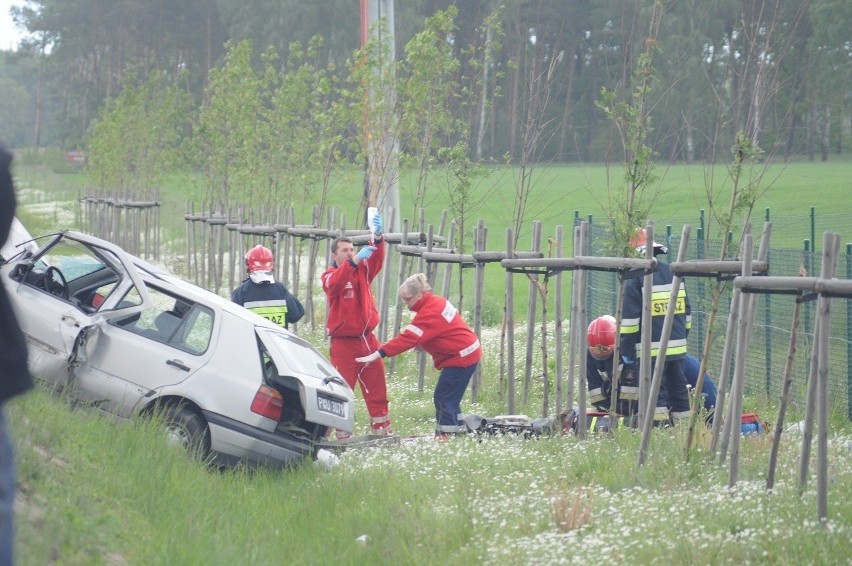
{"x": 262, "y": 294}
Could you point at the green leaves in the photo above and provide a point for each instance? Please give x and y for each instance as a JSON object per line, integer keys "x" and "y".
{"x": 137, "y": 138}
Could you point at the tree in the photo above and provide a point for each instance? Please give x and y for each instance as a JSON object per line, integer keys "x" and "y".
{"x": 227, "y": 138}
{"x": 136, "y": 140}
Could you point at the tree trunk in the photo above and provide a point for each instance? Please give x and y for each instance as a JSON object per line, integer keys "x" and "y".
{"x": 514, "y": 111}
{"x": 811, "y": 130}
{"x": 826, "y": 131}
{"x": 566, "y": 112}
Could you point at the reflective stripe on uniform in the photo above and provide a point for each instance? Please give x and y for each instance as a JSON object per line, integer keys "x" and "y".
{"x": 629, "y": 393}
{"x": 413, "y": 329}
{"x": 660, "y": 300}
{"x": 275, "y": 311}
{"x": 661, "y": 414}
{"x": 379, "y": 420}
{"x": 629, "y": 325}
{"x": 450, "y": 428}
{"x": 675, "y": 348}
{"x": 595, "y": 395}
{"x": 470, "y": 349}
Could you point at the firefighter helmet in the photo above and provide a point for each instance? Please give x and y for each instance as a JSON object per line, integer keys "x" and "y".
{"x": 601, "y": 337}
{"x": 259, "y": 258}
{"x": 638, "y": 240}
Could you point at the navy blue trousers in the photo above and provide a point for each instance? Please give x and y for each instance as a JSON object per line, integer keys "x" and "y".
{"x": 448, "y": 395}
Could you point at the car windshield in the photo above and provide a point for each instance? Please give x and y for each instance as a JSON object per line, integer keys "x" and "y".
{"x": 81, "y": 274}
{"x": 74, "y": 260}
{"x": 295, "y": 356}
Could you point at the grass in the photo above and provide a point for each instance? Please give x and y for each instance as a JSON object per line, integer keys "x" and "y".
{"x": 787, "y": 190}
{"x": 94, "y": 492}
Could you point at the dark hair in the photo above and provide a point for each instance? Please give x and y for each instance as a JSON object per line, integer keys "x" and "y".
{"x": 336, "y": 241}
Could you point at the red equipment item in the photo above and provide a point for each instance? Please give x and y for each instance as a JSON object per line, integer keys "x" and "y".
{"x": 259, "y": 258}
{"x": 640, "y": 237}
{"x": 601, "y": 337}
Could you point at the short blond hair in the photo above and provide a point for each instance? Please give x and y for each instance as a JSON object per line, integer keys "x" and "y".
{"x": 415, "y": 285}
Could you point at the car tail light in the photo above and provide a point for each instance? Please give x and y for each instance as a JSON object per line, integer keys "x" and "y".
{"x": 268, "y": 402}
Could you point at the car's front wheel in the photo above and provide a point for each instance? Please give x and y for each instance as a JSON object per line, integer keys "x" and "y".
{"x": 186, "y": 428}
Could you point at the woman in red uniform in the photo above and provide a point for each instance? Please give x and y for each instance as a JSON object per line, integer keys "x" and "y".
{"x": 438, "y": 329}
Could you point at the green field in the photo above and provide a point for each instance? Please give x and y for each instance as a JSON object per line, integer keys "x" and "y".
{"x": 558, "y": 193}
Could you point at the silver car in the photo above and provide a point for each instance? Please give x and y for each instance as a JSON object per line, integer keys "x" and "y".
{"x": 129, "y": 338}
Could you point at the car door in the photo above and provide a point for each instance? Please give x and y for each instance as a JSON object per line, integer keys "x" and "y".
{"x": 125, "y": 360}
{"x": 51, "y": 317}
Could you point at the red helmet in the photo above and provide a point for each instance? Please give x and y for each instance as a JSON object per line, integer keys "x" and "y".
{"x": 640, "y": 237}
{"x": 601, "y": 337}
{"x": 259, "y": 258}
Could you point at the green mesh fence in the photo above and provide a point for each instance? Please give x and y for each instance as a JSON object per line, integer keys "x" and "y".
{"x": 769, "y": 343}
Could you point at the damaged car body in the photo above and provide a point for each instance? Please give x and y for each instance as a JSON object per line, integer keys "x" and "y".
{"x": 129, "y": 338}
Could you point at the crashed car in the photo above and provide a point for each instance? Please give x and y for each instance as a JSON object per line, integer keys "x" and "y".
{"x": 129, "y": 338}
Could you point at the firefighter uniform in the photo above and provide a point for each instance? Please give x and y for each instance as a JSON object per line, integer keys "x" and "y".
{"x": 271, "y": 300}
{"x": 352, "y": 317}
{"x": 599, "y": 380}
{"x": 673, "y": 394}
{"x": 438, "y": 328}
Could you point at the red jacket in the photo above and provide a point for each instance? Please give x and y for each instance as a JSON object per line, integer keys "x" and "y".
{"x": 438, "y": 328}
{"x": 352, "y": 309}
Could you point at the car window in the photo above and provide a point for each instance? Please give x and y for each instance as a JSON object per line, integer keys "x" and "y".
{"x": 171, "y": 320}
{"x": 294, "y": 355}
{"x": 198, "y": 329}
{"x": 77, "y": 273}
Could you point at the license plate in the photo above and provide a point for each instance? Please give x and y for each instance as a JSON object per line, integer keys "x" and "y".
{"x": 331, "y": 405}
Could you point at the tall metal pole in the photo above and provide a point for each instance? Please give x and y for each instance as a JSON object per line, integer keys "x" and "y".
{"x": 382, "y": 160}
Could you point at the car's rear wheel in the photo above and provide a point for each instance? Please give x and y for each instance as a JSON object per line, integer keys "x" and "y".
{"x": 186, "y": 428}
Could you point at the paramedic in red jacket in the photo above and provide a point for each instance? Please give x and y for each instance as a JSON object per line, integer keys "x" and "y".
{"x": 352, "y": 317}
{"x": 438, "y": 329}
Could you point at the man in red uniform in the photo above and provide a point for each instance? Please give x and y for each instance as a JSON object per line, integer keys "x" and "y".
{"x": 352, "y": 317}
{"x": 438, "y": 328}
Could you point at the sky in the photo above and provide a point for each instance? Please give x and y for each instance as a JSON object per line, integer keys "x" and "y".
{"x": 9, "y": 34}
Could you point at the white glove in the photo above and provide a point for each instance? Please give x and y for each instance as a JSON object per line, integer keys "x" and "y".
{"x": 369, "y": 358}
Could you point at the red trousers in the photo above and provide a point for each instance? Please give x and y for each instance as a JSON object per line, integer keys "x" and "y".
{"x": 371, "y": 378}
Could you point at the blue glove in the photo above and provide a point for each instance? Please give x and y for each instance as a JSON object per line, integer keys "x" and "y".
{"x": 377, "y": 224}
{"x": 365, "y": 252}
{"x": 627, "y": 360}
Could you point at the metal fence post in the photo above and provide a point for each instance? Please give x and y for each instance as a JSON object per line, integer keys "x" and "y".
{"x": 807, "y": 259}
{"x": 849, "y": 336}
{"x": 767, "y": 314}
{"x": 587, "y": 296}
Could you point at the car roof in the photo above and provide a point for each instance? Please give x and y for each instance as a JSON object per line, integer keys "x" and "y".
{"x": 157, "y": 275}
